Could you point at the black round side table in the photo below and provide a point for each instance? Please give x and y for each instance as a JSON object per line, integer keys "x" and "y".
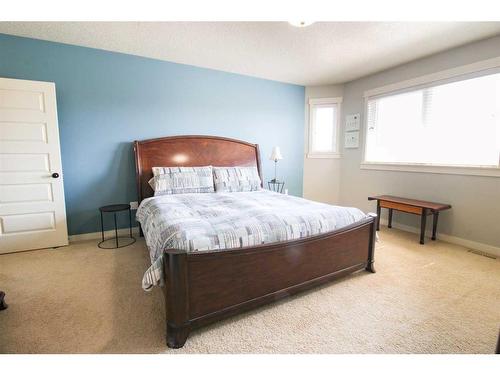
{"x": 114, "y": 208}
{"x": 275, "y": 185}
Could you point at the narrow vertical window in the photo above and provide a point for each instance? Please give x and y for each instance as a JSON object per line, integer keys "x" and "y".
{"x": 324, "y": 127}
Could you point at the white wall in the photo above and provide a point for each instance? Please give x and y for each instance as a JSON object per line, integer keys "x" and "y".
{"x": 321, "y": 176}
{"x": 476, "y": 200}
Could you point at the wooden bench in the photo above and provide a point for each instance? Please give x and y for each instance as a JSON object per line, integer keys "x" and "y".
{"x": 412, "y": 206}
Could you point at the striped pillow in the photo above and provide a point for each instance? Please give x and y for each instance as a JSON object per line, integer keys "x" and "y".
{"x": 234, "y": 179}
{"x": 181, "y": 180}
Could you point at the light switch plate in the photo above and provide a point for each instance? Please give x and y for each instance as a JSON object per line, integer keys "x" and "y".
{"x": 352, "y": 122}
{"x": 351, "y": 140}
{"x": 134, "y": 205}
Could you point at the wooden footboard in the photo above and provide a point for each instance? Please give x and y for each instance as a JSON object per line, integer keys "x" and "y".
{"x": 208, "y": 286}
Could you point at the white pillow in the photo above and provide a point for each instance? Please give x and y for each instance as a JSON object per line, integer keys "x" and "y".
{"x": 181, "y": 180}
{"x": 234, "y": 179}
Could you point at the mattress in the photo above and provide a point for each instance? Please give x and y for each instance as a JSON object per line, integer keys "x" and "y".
{"x": 219, "y": 221}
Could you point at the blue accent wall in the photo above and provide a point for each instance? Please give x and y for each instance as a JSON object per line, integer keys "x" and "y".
{"x": 106, "y": 100}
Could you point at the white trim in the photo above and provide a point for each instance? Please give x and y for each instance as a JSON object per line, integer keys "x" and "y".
{"x": 438, "y": 169}
{"x": 324, "y": 155}
{"x": 444, "y": 74}
{"x": 336, "y": 100}
{"x": 489, "y": 249}
{"x": 107, "y": 234}
{"x": 485, "y": 248}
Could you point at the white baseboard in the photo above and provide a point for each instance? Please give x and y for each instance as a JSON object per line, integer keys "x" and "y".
{"x": 107, "y": 234}
{"x": 485, "y": 248}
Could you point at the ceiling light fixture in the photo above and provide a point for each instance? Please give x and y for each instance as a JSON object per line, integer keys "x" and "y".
{"x": 300, "y": 23}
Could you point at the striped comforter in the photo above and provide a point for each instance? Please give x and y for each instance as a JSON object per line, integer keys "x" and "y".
{"x": 218, "y": 221}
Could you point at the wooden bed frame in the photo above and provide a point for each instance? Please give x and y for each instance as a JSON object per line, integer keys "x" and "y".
{"x": 204, "y": 287}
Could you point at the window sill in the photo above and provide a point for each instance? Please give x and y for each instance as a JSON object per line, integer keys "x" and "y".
{"x": 439, "y": 169}
{"x": 324, "y": 156}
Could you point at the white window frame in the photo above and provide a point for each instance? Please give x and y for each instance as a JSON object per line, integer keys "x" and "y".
{"x": 324, "y": 101}
{"x": 477, "y": 69}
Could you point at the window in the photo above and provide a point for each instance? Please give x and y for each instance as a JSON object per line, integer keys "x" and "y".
{"x": 324, "y": 127}
{"x": 451, "y": 124}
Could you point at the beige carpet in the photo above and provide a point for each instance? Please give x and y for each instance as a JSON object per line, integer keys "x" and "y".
{"x": 437, "y": 298}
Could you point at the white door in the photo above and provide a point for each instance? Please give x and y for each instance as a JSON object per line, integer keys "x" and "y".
{"x": 32, "y": 210}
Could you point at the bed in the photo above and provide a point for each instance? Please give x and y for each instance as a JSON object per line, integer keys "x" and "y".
{"x": 201, "y": 287}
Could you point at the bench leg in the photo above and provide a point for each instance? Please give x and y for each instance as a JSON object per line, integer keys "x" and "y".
{"x": 435, "y": 225}
{"x": 422, "y": 226}
{"x": 378, "y": 215}
{"x": 389, "y": 225}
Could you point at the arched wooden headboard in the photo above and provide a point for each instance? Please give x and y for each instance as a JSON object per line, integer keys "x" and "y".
{"x": 190, "y": 151}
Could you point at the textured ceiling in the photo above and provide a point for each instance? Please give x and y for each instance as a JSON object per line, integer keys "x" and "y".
{"x": 323, "y": 53}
